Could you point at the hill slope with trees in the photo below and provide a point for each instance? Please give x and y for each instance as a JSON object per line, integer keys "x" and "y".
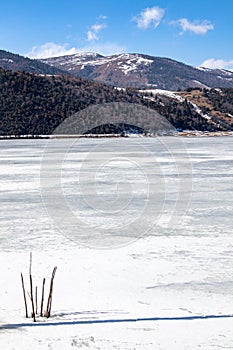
{"x": 36, "y": 105}
{"x": 14, "y": 62}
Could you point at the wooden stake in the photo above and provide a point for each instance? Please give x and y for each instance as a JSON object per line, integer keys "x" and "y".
{"x": 32, "y": 300}
{"x": 31, "y": 289}
{"x": 24, "y": 296}
{"x": 49, "y": 303}
{"x": 42, "y": 298}
{"x": 36, "y": 301}
{"x": 30, "y": 264}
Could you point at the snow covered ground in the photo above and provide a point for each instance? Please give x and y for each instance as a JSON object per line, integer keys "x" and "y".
{"x": 169, "y": 288}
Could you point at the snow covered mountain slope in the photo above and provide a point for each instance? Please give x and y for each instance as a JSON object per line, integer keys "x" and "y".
{"x": 140, "y": 71}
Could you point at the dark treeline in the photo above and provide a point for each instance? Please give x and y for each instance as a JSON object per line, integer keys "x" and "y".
{"x": 36, "y": 105}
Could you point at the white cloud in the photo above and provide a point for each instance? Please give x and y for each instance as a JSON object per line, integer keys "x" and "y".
{"x": 149, "y": 16}
{"x": 102, "y": 17}
{"x": 92, "y": 34}
{"x": 54, "y": 50}
{"x": 196, "y": 27}
{"x": 217, "y": 64}
{"x": 50, "y": 49}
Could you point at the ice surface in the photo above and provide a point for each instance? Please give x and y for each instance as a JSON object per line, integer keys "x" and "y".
{"x": 181, "y": 272}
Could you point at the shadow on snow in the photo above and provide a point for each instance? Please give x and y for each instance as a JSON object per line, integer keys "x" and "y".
{"x": 126, "y": 320}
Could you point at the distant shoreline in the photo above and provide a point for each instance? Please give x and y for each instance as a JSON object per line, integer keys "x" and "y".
{"x": 184, "y": 133}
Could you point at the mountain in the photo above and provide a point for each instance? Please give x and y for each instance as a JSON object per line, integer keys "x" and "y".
{"x": 31, "y": 104}
{"x": 124, "y": 70}
{"x": 141, "y": 71}
{"x": 14, "y": 62}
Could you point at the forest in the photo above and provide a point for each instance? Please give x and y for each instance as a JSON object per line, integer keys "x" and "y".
{"x": 32, "y": 104}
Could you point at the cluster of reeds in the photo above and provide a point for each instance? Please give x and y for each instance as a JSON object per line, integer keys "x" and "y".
{"x": 37, "y": 309}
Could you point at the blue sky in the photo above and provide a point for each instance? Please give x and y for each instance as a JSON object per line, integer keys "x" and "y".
{"x": 195, "y": 32}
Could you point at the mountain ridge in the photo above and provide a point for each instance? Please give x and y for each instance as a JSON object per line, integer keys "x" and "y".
{"x": 125, "y": 70}
{"x": 15, "y": 63}
{"x": 141, "y": 71}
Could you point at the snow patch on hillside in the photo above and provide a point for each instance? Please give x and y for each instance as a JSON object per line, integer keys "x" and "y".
{"x": 204, "y": 69}
{"x": 133, "y": 63}
{"x": 7, "y": 60}
{"x": 167, "y": 93}
{"x": 201, "y": 85}
{"x": 74, "y": 60}
{"x": 125, "y": 62}
{"x": 199, "y": 111}
{"x": 221, "y": 71}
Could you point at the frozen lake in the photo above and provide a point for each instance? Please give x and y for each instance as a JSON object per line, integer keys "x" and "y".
{"x": 138, "y": 227}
